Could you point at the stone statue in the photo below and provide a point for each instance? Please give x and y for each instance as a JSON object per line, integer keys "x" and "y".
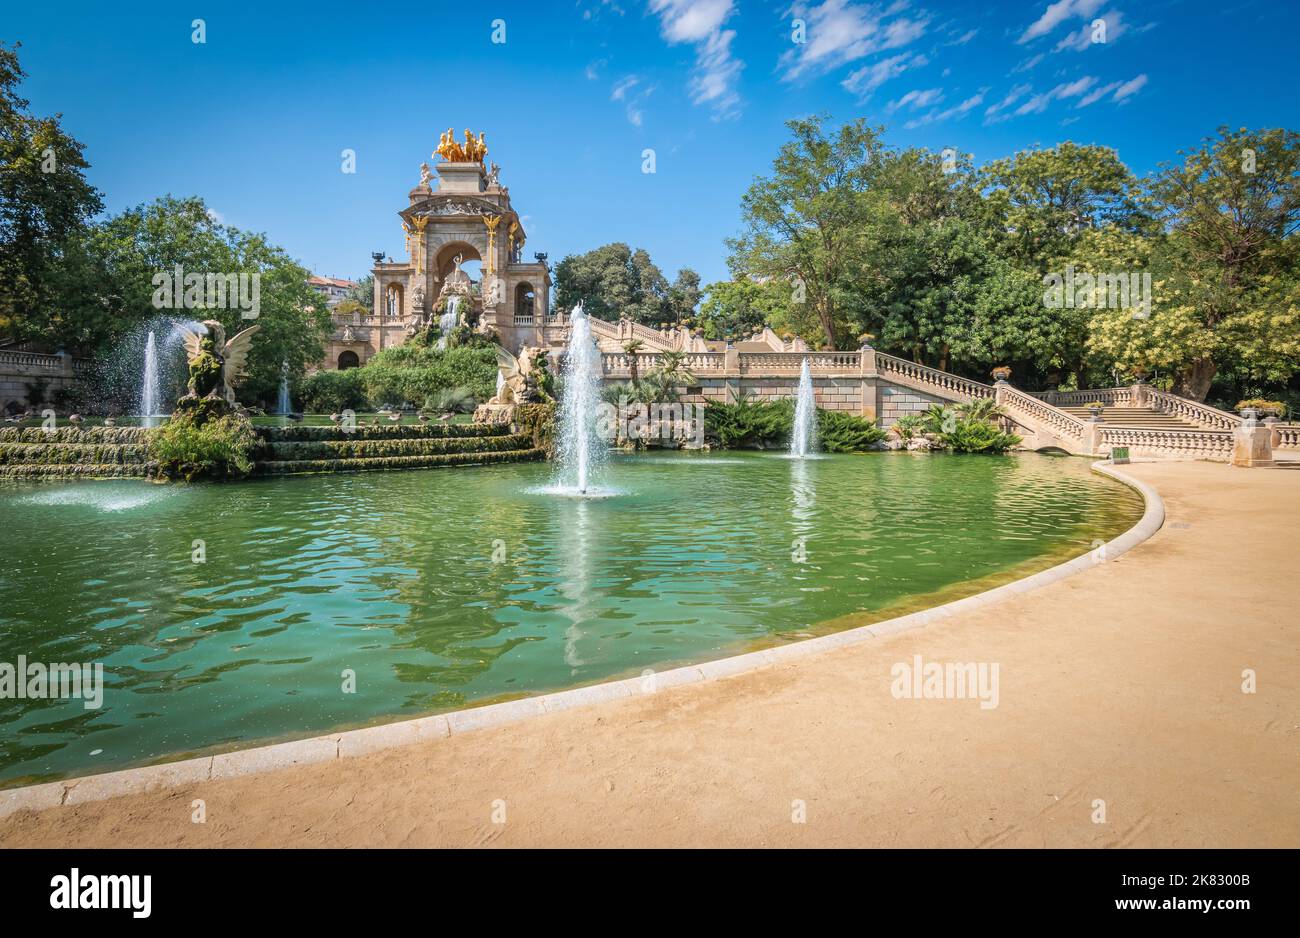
{"x": 524, "y": 380}
{"x": 417, "y": 296}
{"x": 494, "y": 176}
{"x": 216, "y": 365}
{"x": 425, "y": 176}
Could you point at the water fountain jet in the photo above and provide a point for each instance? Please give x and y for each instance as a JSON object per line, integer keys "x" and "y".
{"x": 803, "y": 438}
{"x": 581, "y": 449}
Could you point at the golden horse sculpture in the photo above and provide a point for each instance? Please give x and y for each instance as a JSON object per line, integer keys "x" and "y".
{"x": 471, "y": 151}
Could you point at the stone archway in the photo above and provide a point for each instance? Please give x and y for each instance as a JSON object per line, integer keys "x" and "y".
{"x": 349, "y": 359}
{"x": 394, "y": 301}
{"x": 525, "y": 304}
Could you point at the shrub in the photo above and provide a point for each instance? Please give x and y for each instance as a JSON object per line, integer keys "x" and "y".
{"x": 411, "y": 373}
{"x": 977, "y": 436}
{"x": 328, "y": 392}
{"x": 909, "y": 426}
{"x": 839, "y": 432}
{"x": 749, "y": 425}
{"x": 450, "y": 400}
{"x": 188, "y": 447}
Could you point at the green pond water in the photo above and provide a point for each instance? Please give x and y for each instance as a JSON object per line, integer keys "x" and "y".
{"x": 441, "y": 588}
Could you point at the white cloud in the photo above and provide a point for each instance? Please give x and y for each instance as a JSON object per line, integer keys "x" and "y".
{"x": 963, "y": 38}
{"x": 1082, "y": 40}
{"x": 1027, "y": 64}
{"x": 717, "y": 70}
{"x": 957, "y": 110}
{"x": 840, "y": 31}
{"x": 1057, "y": 13}
{"x": 593, "y": 70}
{"x": 691, "y": 20}
{"x": 1014, "y": 95}
{"x": 863, "y": 81}
{"x": 1130, "y": 88}
{"x": 1096, "y": 94}
{"x": 916, "y": 99}
{"x": 623, "y": 86}
{"x": 625, "y": 90}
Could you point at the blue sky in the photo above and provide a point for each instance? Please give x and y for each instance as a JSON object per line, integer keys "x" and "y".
{"x": 255, "y": 119}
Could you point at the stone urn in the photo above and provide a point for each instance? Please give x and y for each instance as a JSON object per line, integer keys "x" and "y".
{"x": 1001, "y": 374}
{"x": 1095, "y": 409}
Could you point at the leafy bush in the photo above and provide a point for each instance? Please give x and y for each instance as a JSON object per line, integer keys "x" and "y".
{"x": 450, "y": 400}
{"x": 840, "y": 432}
{"x": 978, "y": 436}
{"x": 749, "y": 424}
{"x": 409, "y": 373}
{"x": 328, "y": 392}
{"x": 909, "y": 427}
{"x": 188, "y": 447}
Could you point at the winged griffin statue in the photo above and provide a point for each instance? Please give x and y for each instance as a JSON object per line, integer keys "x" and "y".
{"x": 216, "y": 365}
{"x": 523, "y": 380}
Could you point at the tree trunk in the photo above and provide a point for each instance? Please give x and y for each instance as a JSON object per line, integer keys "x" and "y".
{"x": 1195, "y": 381}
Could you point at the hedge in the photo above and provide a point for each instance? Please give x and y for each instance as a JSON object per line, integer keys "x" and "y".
{"x": 286, "y": 467}
{"x": 87, "y": 471}
{"x": 76, "y": 435}
{"x": 391, "y": 432}
{"x": 411, "y": 374}
{"x": 369, "y": 449}
{"x": 71, "y": 454}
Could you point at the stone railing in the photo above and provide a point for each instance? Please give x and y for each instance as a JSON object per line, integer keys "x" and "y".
{"x": 1108, "y": 396}
{"x": 1209, "y": 417}
{"x": 615, "y": 364}
{"x": 787, "y": 363}
{"x": 1187, "y": 444}
{"x": 924, "y": 378}
{"x": 1286, "y": 435}
{"x": 1020, "y": 404}
{"x": 31, "y": 361}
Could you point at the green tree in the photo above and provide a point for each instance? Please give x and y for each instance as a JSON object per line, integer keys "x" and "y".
{"x": 1230, "y": 269}
{"x": 363, "y": 292}
{"x": 614, "y": 280}
{"x": 805, "y": 223}
{"x": 737, "y": 309}
{"x": 156, "y": 237}
{"x": 46, "y": 205}
{"x": 1045, "y": 199}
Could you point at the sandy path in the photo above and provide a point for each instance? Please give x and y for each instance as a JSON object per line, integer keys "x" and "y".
{"x": 1121, "y": 684}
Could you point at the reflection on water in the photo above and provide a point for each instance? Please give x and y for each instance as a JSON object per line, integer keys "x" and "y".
{"x": 392, "y": 576}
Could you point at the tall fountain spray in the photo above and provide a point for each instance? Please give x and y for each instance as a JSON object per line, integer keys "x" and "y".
{"x": 580, "y": 450}
{"x": 803, "y": 439}
{"x": 283, "y": 405}
{"x": 150, "y": 384}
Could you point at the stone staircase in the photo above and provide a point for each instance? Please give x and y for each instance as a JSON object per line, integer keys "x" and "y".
{"x": 294, "y": 450}
{"x": 1134, "y": 417}
{"x": 68, "y": 452}
{"x": 123, "y": 452}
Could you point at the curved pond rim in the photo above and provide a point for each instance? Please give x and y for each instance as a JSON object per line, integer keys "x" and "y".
{"x": 357, "y": 742}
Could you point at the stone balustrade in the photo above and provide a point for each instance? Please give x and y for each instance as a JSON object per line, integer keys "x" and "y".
{"x": 1112, "y": 397}
{"x": 1188, "y": 444}
{"x": 1192, "y": 411}
{"x": 931, "y": 380}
